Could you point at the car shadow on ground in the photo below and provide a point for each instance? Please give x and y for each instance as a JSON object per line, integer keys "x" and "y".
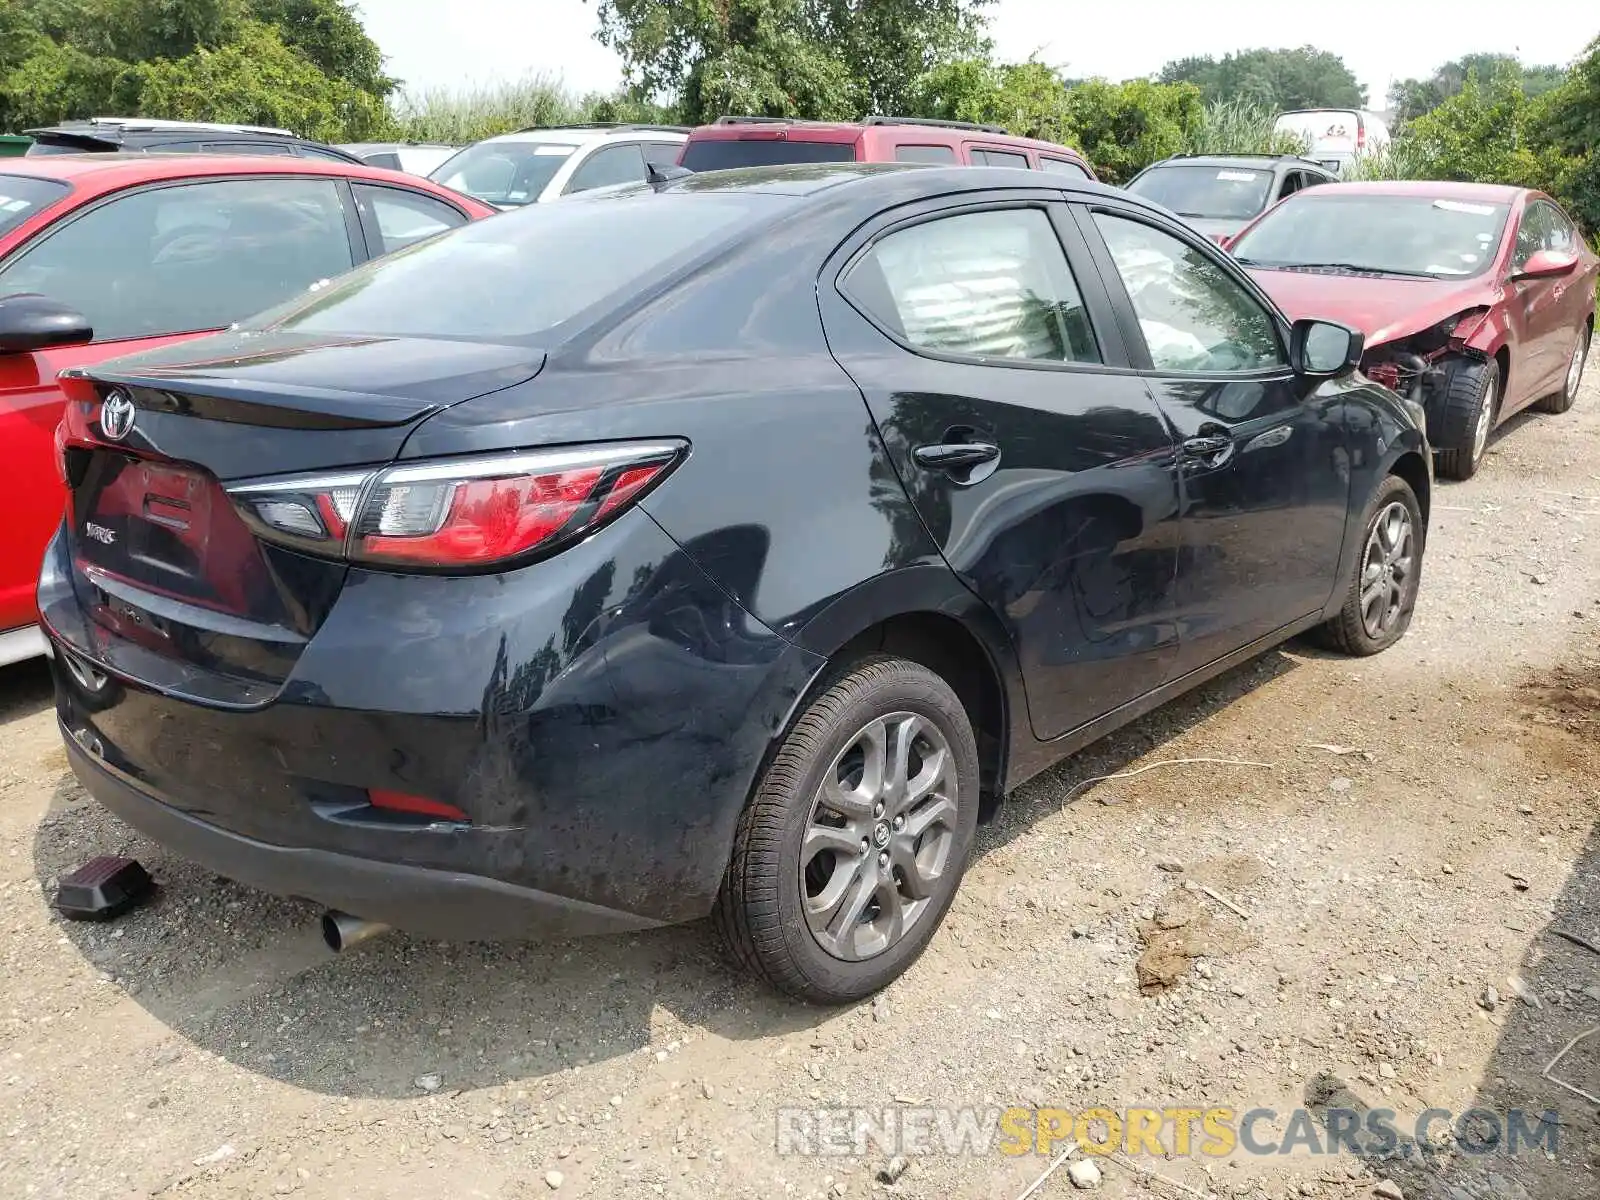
{"x": 1523, "y": 1136}
{"x": 24, "y": 690}
{"x": 245, "y": 975}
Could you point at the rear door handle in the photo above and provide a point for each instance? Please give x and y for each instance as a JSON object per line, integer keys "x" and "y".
{"x": 955, "y": 456}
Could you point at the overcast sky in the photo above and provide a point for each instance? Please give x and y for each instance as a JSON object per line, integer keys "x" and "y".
{"x": 429, "y": 44}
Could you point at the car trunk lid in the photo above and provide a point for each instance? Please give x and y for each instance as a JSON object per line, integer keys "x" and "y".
{"x": 160, "y": 556}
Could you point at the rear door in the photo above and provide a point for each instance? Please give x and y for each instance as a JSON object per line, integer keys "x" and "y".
{"x": 148, "y": 267}
{"x": 1034, "y": 457}
{"x": 1547, "y": 315}
{"x": 1264, "y": 465}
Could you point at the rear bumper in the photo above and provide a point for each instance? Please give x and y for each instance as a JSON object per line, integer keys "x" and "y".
{"x": 431, "y": 903}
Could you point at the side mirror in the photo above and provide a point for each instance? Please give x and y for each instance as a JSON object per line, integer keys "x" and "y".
{"x": 1546, "y": 264}
{"x": 1324, "y": 349}
{"x": 29, "y": 321}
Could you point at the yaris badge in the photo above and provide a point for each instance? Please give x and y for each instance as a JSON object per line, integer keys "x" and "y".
{"x": 116, "y": 415}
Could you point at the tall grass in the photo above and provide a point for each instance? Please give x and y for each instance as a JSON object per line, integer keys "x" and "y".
{"x": 1400, "y": 158}
{"x": 457, "y": 117}
{"x": 1240, "y": 127}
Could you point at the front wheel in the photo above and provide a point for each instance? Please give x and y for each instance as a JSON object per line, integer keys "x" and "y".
{"x": 1377, "y": 608}
{"x": 1471, "y": 401}
{"x": 851, "y": 850}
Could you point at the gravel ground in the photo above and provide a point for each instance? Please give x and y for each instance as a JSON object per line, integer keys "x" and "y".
{"x": 1423, "y": 820}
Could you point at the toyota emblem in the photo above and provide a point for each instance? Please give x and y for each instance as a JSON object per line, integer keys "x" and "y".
{"x": 116, "y": 415}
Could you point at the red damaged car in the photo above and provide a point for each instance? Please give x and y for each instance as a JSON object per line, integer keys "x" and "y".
{"x": 1476, "y": 300}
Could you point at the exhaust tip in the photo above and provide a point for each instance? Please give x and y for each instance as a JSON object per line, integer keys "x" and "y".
{"x": 340, "y": 930}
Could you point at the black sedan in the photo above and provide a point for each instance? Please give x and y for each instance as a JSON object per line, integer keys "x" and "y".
{"x": 728, "y": 546}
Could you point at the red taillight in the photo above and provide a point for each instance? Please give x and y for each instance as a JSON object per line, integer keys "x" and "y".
{"x": 457, "y": 513}
{"x": 419, "y": 806}
{"x": 1361, "y": 135}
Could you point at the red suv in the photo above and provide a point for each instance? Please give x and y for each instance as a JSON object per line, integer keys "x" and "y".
{"x": 769, "y": 141}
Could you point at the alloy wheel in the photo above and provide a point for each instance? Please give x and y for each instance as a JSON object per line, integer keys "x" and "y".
{"x": 877, "y": 844}
{"x": 1575, "y": 367}
{"x": 1386, "y": 570}
{"x": 1480, "y": 432}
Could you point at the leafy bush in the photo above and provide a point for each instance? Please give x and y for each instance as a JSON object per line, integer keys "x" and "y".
{"x": 1123, "y": 127}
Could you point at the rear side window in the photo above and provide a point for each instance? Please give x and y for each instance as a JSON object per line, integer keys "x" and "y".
{"x": 998, "y": 158}
{"x": 662, "y": 154}
{"x": 388, "y": 160}
{"x": 188, "y": 258}
{"x": 1062, "y": 166}
{"x": 925, "y": 154}
{"x": 725, "y": 154}
{"x": 607, "y": 167}
{"x": 402, "y": 217}
{"x": 22, "y": 196}
{"x": 979, "y": 285}
{"x": 522, "y": 274}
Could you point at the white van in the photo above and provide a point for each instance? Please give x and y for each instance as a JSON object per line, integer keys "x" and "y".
{"x": 1335, "y": 135}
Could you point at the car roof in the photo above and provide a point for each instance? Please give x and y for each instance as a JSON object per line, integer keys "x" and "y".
{"x": 1245, "y": 161}
{"x": 1441, "y": 189}
{"x": 108, "y": 172}
{"x": 585, "y": 134}
{"x": 911, "y": 181}
{"x": 735, "y": 128}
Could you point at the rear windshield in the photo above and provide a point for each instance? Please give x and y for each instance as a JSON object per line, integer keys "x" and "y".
{"x": 725, "y": 154}
{"x": 509, "y": 174}
{"x": 1326, "y": 129}
{"x": 513, "y": 278}
{"x": 21, "y": 196}
{"x": 1191, "y": 190}
{"x": 80, "y": 146}
{"x": 1396, "y": 235}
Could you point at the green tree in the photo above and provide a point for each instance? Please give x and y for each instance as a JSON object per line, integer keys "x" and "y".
{"x": 308, "y": 65}
{"x": 1123, "y": 127}
{"x": 1410, "y": 98}
{"x": 257, "y": 79}
{"x": 1028, "y": 99}
{"x": 1304, "y": 77}
{"x": 330, "y": 35}
{"x": 799, "y": 58}
{"x": 1568, "y": 118}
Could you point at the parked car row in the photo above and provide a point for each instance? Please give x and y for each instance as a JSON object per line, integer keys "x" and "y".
{"x": 723, "y": 542}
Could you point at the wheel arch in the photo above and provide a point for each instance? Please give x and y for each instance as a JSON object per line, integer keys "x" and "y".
{"x": 924, "y": 614}
{"x": 1411, "y": 467}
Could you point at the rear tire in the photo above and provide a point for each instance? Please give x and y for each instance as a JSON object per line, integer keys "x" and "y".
{"x": 1471, "y": 403}
{"x": 821, "y": 901}
{"x": 1559, "y": 402}
{"x": 1382, "y": 593}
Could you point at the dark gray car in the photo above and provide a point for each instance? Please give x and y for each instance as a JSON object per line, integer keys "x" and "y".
{"x": 1219, "y": 194}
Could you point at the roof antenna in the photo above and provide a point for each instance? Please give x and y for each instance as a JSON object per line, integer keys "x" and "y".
{"x": 660, "y": 176}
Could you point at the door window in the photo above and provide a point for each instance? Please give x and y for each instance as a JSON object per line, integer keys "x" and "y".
{"x": 925, "y": 154}
{"x": 1532, "y": 233}
{"x": 606, "y": 167}
{"x": 1193, "y": 315}
{"x": 662, "y": 154}
{"x": 998, "y": 158}
{"x": 402, "y": 217}
{"x": 981, "y": 285}
{"x": 188, "y": 258}
{"x": 1062, "y": 166}
{"x": 1292, "y": 183}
